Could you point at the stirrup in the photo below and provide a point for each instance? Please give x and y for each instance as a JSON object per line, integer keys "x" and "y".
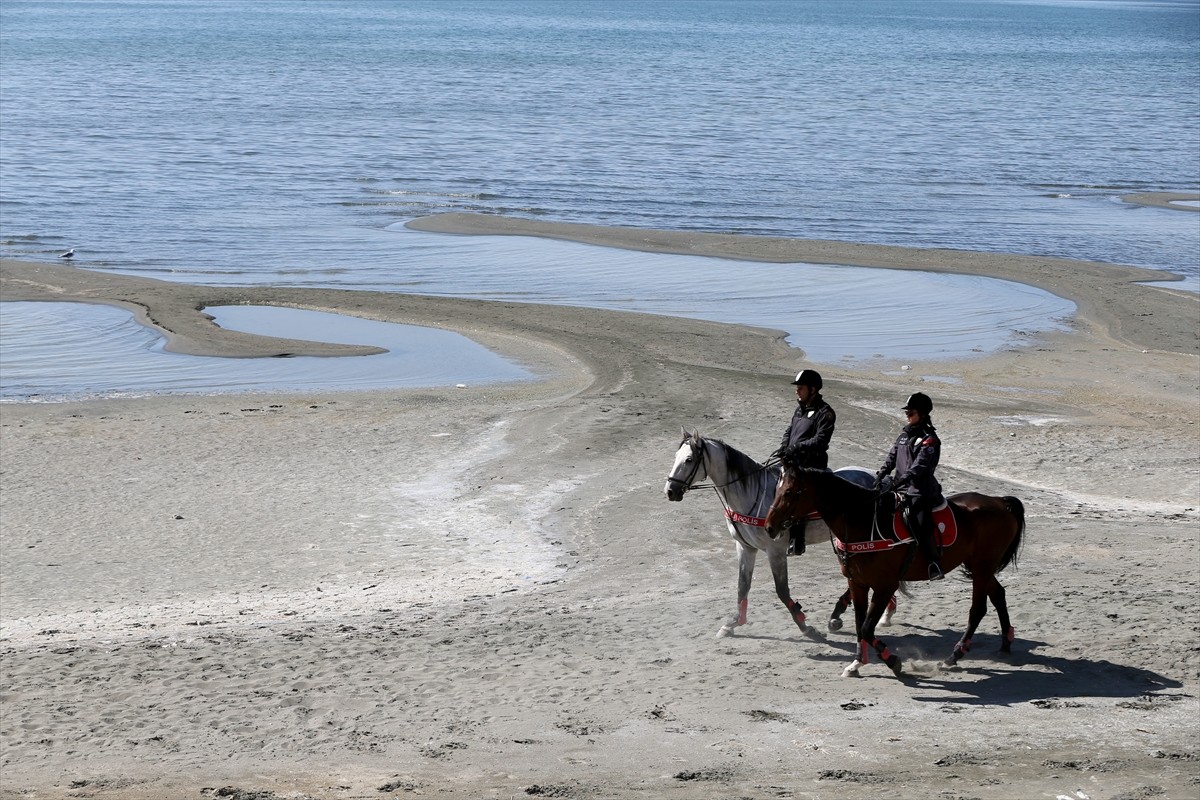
{"x": 935, "y": 572}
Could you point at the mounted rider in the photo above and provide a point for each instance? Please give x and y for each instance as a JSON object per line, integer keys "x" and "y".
{"x": 915, "y": 456}
{"x": 806, "y": 440}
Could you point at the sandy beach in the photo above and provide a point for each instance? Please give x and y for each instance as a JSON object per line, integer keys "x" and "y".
{"x": 482, "y": 592}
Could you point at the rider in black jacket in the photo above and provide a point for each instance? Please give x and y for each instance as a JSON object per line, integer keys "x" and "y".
{"x": 915, "y": 456}
{"x": 806, "y": 440}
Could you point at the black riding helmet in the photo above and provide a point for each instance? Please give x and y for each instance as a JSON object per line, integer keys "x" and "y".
{"x": 919, "y": 402}
{"x": 808, "y": 377}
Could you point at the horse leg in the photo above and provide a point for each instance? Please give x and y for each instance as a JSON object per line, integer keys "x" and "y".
{"x": 779, "y": 569}
{"x": 996, "y": 595}
{"x": 979, "y": 596}
{"x": 879, "y": 605}
{"x": 746, "y": 556}
{"x": 889, "y": 612}
{"x": 835, "y": 618}
{"x": 858, "y": 593}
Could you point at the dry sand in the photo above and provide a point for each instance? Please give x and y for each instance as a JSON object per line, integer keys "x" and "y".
{"x": 483, "y": 593}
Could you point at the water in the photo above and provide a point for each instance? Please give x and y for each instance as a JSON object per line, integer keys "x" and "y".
{"x": 826, "y": 311}
{"x": 56, "y": 351}
{"x": 283, "y": 142}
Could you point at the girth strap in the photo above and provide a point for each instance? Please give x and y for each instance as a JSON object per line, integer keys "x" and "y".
{"x": 867, "y": 547}
{"x": 753, "y": 522}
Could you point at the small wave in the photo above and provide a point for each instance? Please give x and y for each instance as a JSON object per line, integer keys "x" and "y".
{"x": 415, "y": 204}
{"x": 1104, "y": 187}
{"x": 329, "y": 271}
{"x": 415, "y": 193}
{"x": 535, "y": 212}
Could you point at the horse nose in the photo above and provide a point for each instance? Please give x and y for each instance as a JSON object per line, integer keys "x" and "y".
{"x": 673, "y": 492}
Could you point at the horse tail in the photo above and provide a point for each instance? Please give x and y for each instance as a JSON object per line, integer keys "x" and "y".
{"x": 1017, "y": 509}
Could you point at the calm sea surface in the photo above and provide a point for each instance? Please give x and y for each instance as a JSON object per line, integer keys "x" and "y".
{"x": 286, "y": 142}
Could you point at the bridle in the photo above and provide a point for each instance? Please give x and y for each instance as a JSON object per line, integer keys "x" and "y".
{"x": 791, "y": 520}
{"x": 699, "y": 451}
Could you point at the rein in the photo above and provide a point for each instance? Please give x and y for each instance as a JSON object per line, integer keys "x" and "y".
{"x": 843, "y": 549}
{"x": 701, "y": 452}
{"x": 687, "y": 482}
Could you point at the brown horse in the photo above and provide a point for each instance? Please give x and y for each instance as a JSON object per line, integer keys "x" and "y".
{"x": 989, "y": 533}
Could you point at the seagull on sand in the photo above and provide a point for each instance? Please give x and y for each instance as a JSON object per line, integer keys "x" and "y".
{"x": 69, "y": 254}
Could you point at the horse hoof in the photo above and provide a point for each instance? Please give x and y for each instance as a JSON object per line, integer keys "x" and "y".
{"x": 835, "y": 624}
{"x": 725, "y": 631}
{"x": 886, "y": 619}
{"x": 851, "y": 671}
{"x": 896, "y": 665}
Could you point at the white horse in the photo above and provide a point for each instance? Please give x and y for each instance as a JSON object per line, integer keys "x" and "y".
{"x": 746, "y": 489}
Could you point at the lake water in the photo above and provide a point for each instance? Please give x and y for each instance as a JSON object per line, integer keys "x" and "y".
{"x": 62, "y": 349}
{"x": 285, "y": 142}
{"x": 56, "y": 351}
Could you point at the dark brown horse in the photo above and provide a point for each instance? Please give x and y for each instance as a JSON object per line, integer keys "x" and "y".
{"x": 989, "y": 533}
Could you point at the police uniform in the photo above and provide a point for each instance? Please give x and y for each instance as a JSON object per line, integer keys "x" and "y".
{"x": 914, "y": 457}
{"x": 806, "y": 441}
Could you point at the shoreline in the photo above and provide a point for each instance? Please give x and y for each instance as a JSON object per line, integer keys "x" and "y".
{"x": 1107, "y": 295}
{"x": 482, "y": 593}
{"x": 1164, "y": 200}
{"x": 1111, "y": 299}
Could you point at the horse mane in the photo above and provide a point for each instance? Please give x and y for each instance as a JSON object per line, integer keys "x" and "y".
{"x": 843, "y": 486}
{"x": 853, "y": 500}
{"x": 740, "y": 464}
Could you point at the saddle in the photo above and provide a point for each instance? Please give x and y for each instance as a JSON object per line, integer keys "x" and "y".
{"x": 945, "y": 529}
{"x": 891, "y": 529}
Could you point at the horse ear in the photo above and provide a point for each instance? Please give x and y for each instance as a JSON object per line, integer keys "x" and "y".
{"x": 683, "y": 431}
{"x": 695, "y": 434}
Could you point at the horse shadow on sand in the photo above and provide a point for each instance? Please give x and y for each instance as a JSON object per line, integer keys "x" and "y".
{"x": 987, "y": 677}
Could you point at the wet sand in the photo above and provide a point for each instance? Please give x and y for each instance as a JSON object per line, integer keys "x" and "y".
{"x": 483, "y": 592}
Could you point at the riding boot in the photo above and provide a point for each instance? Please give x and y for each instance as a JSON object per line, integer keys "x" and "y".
{"x": 930, "y": 549}
{"x": 923, "y": 529}
{"x": 796, "y": 546}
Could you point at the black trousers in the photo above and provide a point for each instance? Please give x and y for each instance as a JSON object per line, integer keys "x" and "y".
{"x": 918, "y": 512}
{"x": 796, "y": 534}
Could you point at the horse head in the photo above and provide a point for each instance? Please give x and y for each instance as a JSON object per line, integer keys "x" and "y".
{"x": 794, "y": 499}
{"x": 688, "y": 467}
